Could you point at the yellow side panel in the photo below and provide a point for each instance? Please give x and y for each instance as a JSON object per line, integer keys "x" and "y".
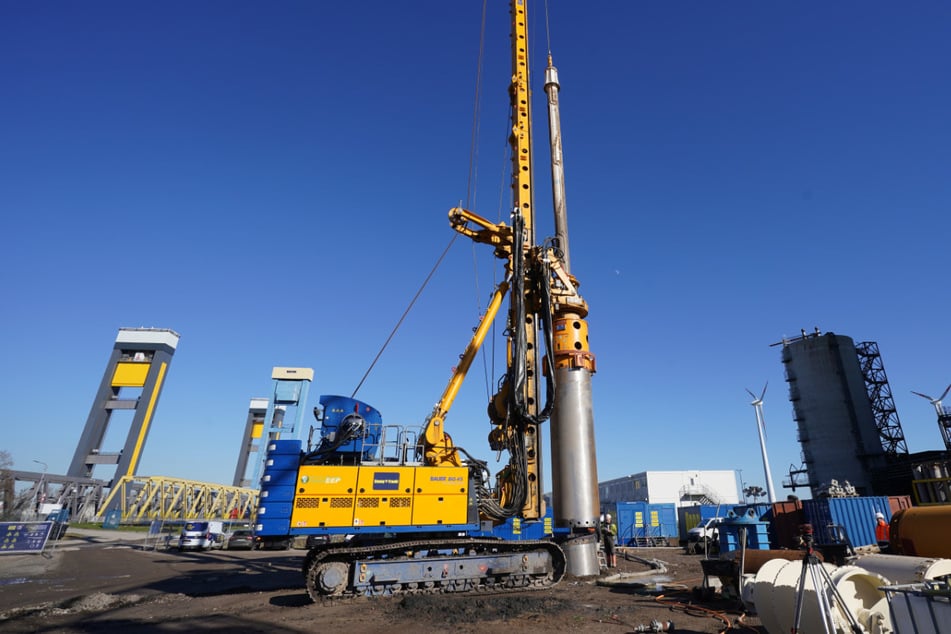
{"x": 442, "y": 480}
{"x": 441, "y": 495}
{"x": 384, "y": 496}
{"x": 257, "y": 429}
{"x": 325, "y": 511}
{"x": 338, "y": 496}
{"x": 386, "y": 480}
{"x": 130, "y": 374}
{"x": 327, "y": 480}
{"x": 325, "y": 496}
{"x": 383, "y": 510}
{"x": 440, "y": 509}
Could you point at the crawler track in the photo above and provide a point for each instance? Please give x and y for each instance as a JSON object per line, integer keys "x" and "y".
{"x": 428, "y": 566}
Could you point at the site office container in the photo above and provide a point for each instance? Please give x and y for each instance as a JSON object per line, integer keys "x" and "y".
{"x": 785, "y": 518}
{"x": 855, "y": 515}
{"x": 640, "y": 522}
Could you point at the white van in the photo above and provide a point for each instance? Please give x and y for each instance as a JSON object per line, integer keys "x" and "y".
{"x": 200, "y": 536}
{"x": 704, "y": 537}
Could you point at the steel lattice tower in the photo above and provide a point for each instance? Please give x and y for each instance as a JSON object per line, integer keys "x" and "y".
{"x": 880, "y": 396}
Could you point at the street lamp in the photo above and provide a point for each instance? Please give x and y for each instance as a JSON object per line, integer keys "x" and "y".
{"x": 41, "y": 486}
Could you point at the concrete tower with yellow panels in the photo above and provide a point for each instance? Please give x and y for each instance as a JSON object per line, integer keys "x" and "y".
{"x": 132, "y": 381}
{"x": 283, "y": 419}
{"x": 250, "y": 441}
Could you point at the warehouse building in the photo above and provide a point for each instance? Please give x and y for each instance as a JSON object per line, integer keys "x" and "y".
{"x": 682, "y": 488}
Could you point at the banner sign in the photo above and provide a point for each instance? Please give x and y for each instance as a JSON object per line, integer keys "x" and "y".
{"x": 23, "y": 537}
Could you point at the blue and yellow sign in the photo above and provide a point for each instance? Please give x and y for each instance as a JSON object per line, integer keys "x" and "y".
{"x": 23, "y": 537}
{"x": 386, "y": 481}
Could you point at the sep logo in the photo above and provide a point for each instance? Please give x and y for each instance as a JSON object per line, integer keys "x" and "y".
{"x": 386, "y": 481}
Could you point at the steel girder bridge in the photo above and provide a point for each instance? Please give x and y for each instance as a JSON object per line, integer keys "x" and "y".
{"x": 146, "y": 498}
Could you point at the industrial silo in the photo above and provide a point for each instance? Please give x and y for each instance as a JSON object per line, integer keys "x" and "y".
{"x": 837, "y": 427}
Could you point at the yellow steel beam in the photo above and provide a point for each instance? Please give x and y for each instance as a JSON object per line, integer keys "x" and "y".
{"x": 522, "y": 191}
{"x": 144, "y": 430}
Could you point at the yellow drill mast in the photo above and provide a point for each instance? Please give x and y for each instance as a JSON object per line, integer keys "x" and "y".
{"x": 545, "y": 308}
{"x": 515, "y": 410}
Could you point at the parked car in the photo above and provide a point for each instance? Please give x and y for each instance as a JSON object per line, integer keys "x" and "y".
{"x": 241, "y": 539}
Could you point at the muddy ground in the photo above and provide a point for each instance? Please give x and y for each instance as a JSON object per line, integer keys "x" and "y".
{"x": 90, "y": 585}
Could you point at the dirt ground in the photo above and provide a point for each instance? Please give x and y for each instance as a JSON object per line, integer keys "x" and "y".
{"x": 90, "y": 585}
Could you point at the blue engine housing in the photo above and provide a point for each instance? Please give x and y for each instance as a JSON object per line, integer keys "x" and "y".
{"x": 338, "y": 418}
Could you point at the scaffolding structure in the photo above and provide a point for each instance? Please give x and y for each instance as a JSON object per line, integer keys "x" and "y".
{"x": 944, "y": 424}
{"x": 880, "y": 397}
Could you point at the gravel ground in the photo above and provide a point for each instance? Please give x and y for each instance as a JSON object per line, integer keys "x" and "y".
{"x": 94, "y": 585}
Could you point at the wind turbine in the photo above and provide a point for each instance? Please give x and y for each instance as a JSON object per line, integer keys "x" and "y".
{"x": 761, "y": 428}
{"x": 944, "y": 416}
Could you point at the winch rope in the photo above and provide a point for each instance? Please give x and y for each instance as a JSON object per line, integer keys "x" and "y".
{"x": 403, "y": 316}
{"x": 471, "y": 179}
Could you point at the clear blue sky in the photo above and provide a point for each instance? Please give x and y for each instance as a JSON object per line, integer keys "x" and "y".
{"x": 271, "y": 180}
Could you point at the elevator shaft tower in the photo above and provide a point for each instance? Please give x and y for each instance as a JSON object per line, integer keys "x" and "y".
{"x": 283, "y": 420}
{"x": 133, "y": 381}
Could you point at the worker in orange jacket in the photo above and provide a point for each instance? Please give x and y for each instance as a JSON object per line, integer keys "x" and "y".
{"x": 881, "y": 531}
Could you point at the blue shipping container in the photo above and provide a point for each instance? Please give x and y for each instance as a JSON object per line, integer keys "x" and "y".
{"x": 855, "y": 515}
{"x": 640, "y": 522}
{"x": 630, "y": 516}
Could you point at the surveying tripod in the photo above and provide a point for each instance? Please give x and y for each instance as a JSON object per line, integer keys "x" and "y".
{"x": 824, "y": 587}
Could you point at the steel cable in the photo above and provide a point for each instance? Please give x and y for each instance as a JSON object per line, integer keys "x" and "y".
{"x": 403, "y": 316}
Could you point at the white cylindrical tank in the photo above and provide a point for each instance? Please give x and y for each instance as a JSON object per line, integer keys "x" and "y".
{"x": 776, "y": 590}
{"x": 899, "y": 569}
{"x": 859, "y": 589}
